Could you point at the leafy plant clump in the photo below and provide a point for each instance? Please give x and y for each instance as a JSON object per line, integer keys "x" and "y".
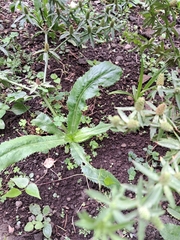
{"x": 156, "y": 107}
{"x": 104, "y": 74}
{"x": 39, "y": 220}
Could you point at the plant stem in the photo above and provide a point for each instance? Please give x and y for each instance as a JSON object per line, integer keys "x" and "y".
{"x": 18, "y": 84}
{"x": 61, "y": 44}
{"x": 49, "y": 106}
{"x": 172, "y": 43}
{"x": 140, "y": 81}
{"x": 46, "y": 57}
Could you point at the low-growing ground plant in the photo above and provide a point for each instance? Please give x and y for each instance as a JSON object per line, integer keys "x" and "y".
{"x": 145, "y": 207}
{"x": 104, "y": 74}
{"x": 40, "y": 220}
{"x": 160, "y": 17}
{"x": 16, "y": 185}
{"x": 73, "y": 22}
{"x": 156, "y": 106}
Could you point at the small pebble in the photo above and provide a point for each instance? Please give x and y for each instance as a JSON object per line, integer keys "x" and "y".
{"x": 127, "y": 46}
{"x": 123, "y": 145}
{"x": 18, "y": 204}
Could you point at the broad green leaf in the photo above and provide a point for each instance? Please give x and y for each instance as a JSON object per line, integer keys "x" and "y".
{"x": 21, "y": 182}
{"x": 85, "y": 133}
{"x": 107, "y": 179}
{"x": 169, "y": 143}
{"x": 45, "y": 123}
{"x": 99, "y": 176}
{"x": 19, "y": 108}
{"x": 104, "y": 74}
{"x": 4, "y": 106}
{"x": 2, "y": 113}
{"x": 47, "y": 230}
{"x": 17, "y": 149}
{"x": 53, "y": 76}
{"x": 29, "y": 227}
{"x": 33, "y": 190}
{"x": 39, "y": 217}
{"x": 13, "y": 192}
{"x": 170, "y": 232}
{"x": 15, "y": 96}
{"x": 38, "y": 225}
{"x": 35, "y": 209}
{"x": 46, "y": 210}
{"x": 40, "y": 75}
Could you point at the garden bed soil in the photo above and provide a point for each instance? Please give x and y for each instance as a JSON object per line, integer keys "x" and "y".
{"x": 66, "y": 196}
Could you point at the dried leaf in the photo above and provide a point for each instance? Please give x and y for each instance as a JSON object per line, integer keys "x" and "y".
{"x": 49, "y": 162}
{"x": 10, "y": 229}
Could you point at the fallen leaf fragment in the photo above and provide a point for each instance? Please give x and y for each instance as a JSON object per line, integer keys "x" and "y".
{"x": 10, "y": 229}
{"x": 49, "y": 162}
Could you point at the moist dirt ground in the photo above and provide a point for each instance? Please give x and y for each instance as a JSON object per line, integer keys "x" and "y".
{"x": 66, "y": 194}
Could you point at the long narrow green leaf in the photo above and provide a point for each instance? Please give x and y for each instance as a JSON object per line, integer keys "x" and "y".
{"x": 121, "y": 92}
{"x": 140, "y": 81}
{"x": 142, "y": 224}
{"x": 85, "y": 133}
{"x": 4, "y": 50}
{"x": 170, "y": 143}
{"x": 153, "y": 79}
{"x": 146, "y": 171}
{"x": 104, "y": 74}
{"x": 99, "y": 176}
{"x": 19, "y": 148}
{"x": 174, "y": 212}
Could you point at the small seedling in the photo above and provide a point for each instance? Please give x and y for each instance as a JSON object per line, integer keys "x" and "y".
{"x": 131, "y": 173}
{"x": 40, "y": 219}
{"x": 70, "y": 164}
{"x": 55, "y": 78}
{"x": 17, "y": 185}
{"x": 84, "y": 232}
{"x": 132, "y": 170}
{"x": 151, "y": 154}
{"x": 62, "y": 214}
{"x": 17, "y": 170}
{"x": 94, "y": 145}
{"x": 22, "y": 123}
